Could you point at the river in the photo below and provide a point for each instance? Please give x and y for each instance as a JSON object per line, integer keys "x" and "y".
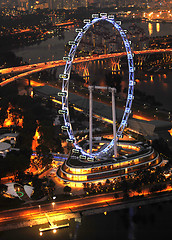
{"x": 158, "y": 84}
{"x": 53, "y": 48}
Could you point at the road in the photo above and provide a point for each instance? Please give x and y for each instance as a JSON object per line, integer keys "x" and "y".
{"x": 64, "y": 207}
{"x": 34, "y": 68}
{"x": 62, "y": 210}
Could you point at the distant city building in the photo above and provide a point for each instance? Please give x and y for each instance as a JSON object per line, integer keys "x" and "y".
{"x": 9, "y": 3}
{"x": 67, "y": 4}
{"x": 26, "y": 5}
{"x": 137, "y": 35}
{"x": 23, "y": 5}
{"x": 73, "y": 4}
{"x": 42, "y": 5}
{"x": 54, "y": 4}
{"x": 101, "y": 40}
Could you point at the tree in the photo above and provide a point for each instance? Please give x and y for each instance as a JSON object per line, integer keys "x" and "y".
{"x": 44, "y": 154}
{"x": 135, "y": 184}
{"x": 3, "y": 188}
{"x": 124, "y": 186}
{"x": 51, "y": 187}
{"x": 67, "y": 189}
{"x": 85, "y": 187}
{"x": 107, "y": 181}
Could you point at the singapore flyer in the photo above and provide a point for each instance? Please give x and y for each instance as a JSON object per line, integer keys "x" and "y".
{"x": 66, "y": 77}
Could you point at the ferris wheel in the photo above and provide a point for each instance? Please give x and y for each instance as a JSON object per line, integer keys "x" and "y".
{"x": 66, "y": 76}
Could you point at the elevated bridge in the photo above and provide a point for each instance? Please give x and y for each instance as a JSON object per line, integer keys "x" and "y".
{"x": 81, "y": 63}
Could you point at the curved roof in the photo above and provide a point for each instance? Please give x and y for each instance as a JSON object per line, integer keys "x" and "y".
{"x": 29, "y": 190}
{"x": 11, "y": 190}
{"x": 4, "y": 146}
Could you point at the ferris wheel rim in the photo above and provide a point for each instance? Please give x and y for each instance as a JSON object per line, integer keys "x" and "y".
{"x": 66, "y": 77}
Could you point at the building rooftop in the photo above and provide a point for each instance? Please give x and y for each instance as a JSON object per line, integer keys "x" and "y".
{"x": 156, "y": 123}
{"x": 5, "y": 135}
{"x": 4, "y": 146}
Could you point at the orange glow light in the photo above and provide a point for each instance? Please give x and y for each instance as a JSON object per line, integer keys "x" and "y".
{"x": 170, "y": 131}
{"x": 151, "y": 78}
{"x": 141, "y": 117}
{"x": 10, "y": 120}
{"x": 35, "y": 140}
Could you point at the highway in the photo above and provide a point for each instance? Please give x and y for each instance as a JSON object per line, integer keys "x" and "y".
{"x": 34, "y": 68}
{"x": 58, "y": 208}
{"x": 36, "y": 215}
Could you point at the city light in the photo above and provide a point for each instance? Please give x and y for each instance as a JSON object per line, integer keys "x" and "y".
{"x": 45, "y": 146}
{"x": 170, "y": 131}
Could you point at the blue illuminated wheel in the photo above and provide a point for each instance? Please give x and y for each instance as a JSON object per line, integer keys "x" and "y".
{"x": 66, "y": 76}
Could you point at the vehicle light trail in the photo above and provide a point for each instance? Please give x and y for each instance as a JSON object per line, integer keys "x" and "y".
{"x": 142, "y": 117}
{"x": 65, "y": 209}
{"x": 52, "y": 64}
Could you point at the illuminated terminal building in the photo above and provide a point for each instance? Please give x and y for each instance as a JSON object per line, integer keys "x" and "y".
{"x": 78, "y": 169}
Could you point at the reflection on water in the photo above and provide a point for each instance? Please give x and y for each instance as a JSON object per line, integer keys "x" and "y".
{"x": 165, "y": 85}
{"x": 151, "y": 78}
{"x": 159, "y": 77}
{"x": 150, "y": 28}
{"x": 131, "y": 228}
{"x": 158, "y": 27}
{"x": 74, "y": 237}
{"x": 164, "y": 76}
{"x": 51, "y": 49}
{"x": 158, "y": 85}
